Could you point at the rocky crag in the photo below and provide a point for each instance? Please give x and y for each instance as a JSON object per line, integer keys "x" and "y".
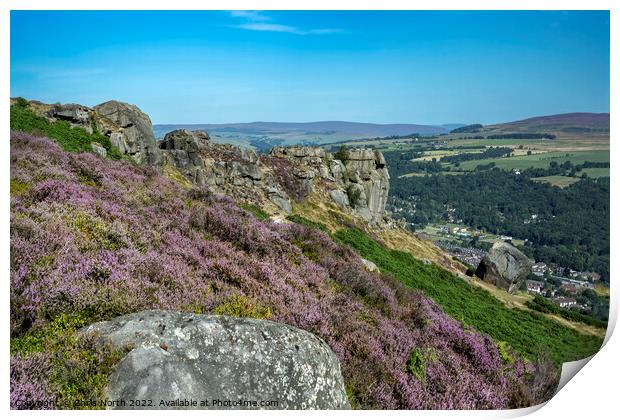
{"x": 358, "y": 182}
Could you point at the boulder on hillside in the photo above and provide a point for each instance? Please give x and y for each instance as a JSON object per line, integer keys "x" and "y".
{"x": 178, "y": 355}
{"x": 504, "y": 266}
{"x": 136, "y": 129}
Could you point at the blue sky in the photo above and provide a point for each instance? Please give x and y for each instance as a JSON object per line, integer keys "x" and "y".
{"x": 382, "y": 67}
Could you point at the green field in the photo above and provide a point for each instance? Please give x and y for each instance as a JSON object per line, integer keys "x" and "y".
{"x": 540, "y": 160}
{"x": 541, "y": 144}
{"x": 595, "y": 172}
{"x": 525, "y": 331}
{"x": 557, "y": 180}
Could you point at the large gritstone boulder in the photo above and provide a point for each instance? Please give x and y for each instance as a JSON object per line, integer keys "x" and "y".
{"x": 136, "y": 130}
{"x": 227, "y": 362}
{"x": 504, "y": 266}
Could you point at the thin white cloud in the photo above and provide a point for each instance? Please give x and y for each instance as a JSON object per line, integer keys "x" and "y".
{"x": 253, "y": 15}
{"x": 268, "y": 27}
{"x": 255, "y": 21}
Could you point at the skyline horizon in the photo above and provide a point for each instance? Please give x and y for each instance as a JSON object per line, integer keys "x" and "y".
{"x": 462, "y": 123}
{"x": 384, "y": 67}
{"x": 386, "y": 123}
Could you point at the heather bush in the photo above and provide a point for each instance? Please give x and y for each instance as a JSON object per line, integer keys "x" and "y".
{"x": 50, "y": 363}
{"x": 283, "y": 172}
{"x": 93, "y": 238}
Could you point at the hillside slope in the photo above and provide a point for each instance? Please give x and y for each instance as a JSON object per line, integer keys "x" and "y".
{"x": 202, "y": 227}
{"x": 309, "y": 129}
{"x": 93, "y": 238}
{"x": 571, "y": 124}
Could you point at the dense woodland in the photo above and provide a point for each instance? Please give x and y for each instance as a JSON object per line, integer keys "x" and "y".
{"x": 522, "y": 136}
{"x": 568, "y": 226}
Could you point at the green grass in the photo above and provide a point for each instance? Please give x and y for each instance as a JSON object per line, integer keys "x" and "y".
{"x": 307, "y": 222}
{"x": 540, "y": 160}
{"x": 557, "y": 180}
{"x": 595, "y": 172}
{"x": 256, "y": 211}
{"x": 79, "y": 370}
{"x": 71, "y": 139}
{"x": 529, "y": 333}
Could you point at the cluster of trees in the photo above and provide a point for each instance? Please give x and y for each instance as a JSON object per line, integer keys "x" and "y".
{"x": 522, "y": 136}
{"x": 541, "y": 304}
{"x": 399, "y": 163}
{"x": 571, "y": 227}
{"x": 476, "y": 137}
{"x": 567, "y": 168}
{"x": 491, "y": 152}
{"x": 472, "y": 128}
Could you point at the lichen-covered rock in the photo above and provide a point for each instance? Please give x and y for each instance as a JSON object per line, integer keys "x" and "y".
{"x": 504, "y": 266}
{"x": 370, "y": 266}
{"x": 178, "y": 355}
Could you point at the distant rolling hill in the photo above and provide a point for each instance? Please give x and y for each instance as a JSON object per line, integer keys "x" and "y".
{"x": 576, "y": 123}
{"x": 262, "y": 134}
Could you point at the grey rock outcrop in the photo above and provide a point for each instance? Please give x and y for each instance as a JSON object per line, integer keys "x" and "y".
{"x": 340, "y": 198}
{"x": 177, "y": 355}
{"x": 76, "y": 115}
{"x": 99, "y": 149}
{"x": 364, "y": 175}
{"x": 357, "y": 184}
{"x": 370, "y": 266}
{"x": 135, "y": 127}
{"x": 367, "y": 168}
{"x": 280, "y": 199}
{"x": 182, "y": 149}
{"x": 504, "y": 266}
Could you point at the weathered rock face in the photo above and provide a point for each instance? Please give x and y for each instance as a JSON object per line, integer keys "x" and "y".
{"x": 504, "y": 266}
{"x": 177, "y": 355}
{"x": 359, "y": 184}
{"x": 363, "y": 176}
{"x": 135, "y": 129}
{"x": 182, "y": 149}
{"x": 76, "y": 115}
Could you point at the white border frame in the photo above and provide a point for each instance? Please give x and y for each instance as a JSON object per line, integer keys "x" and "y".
{"x": 591, "y": 395}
